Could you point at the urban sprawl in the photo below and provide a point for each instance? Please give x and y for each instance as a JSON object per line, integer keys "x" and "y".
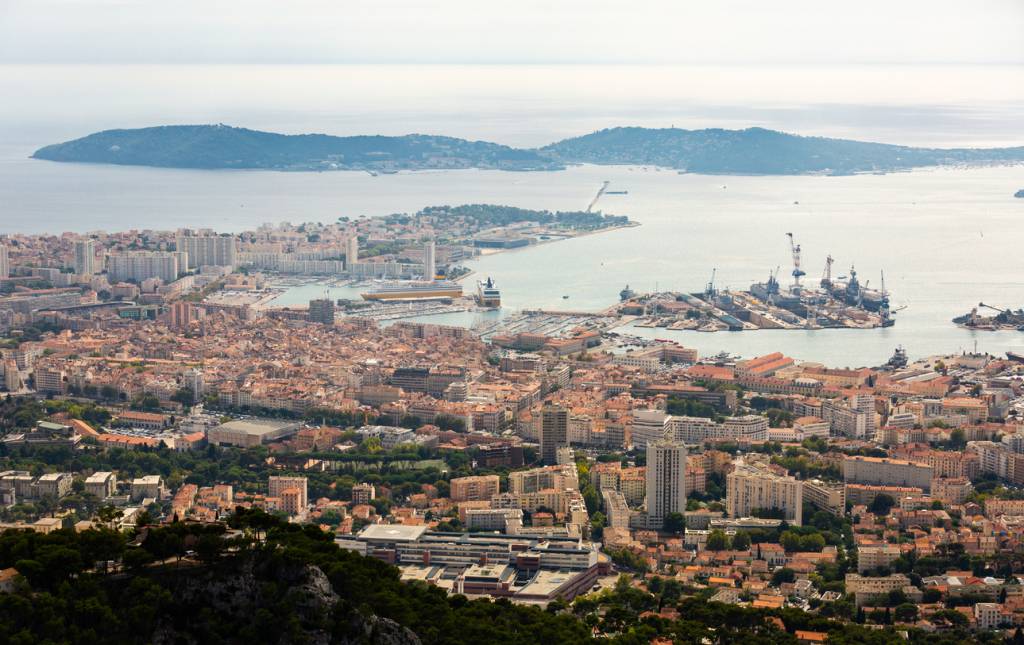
{"x": 151, "y": 380}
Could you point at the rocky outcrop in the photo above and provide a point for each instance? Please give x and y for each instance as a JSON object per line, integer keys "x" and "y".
{"x": 303, "y": 592}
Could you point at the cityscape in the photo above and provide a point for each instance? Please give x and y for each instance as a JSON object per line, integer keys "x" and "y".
{"x": 629, "y": 396}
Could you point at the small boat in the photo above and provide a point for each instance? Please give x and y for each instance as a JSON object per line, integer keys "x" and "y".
{"x": 565, "y": 297}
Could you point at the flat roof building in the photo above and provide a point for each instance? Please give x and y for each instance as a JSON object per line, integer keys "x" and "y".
{"x": 248, "y": 433}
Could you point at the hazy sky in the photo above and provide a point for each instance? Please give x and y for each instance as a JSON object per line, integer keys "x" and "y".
{"x": 486, "y": 31}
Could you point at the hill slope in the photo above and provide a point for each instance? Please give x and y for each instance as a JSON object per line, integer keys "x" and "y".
{"x": 713, "y": 151}
{"x": 219, "y": 146}
{"x": 759, "y": 151}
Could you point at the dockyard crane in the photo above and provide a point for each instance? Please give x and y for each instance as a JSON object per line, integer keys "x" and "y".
{"x": 797, "y": 271}
{"x": 709, "y": 291}
{"x": 826, "y": 280}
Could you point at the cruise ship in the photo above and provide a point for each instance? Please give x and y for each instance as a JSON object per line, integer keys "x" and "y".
{"x": 487, "y": 295}
{"x": 413, "y": 291}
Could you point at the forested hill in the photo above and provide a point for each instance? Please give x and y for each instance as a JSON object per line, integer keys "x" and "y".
{"x": 221, "y": 146}
{"x": 713, "y": 151}
{"x": 759, "y": 151}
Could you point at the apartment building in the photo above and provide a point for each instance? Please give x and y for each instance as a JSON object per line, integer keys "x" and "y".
{"x": 666, "y": 479}
{"x": 474, "y": 488}
{"x": 887, "y": 472}
{"x": 749, "y": 488}
{"x": 101, "y": 485}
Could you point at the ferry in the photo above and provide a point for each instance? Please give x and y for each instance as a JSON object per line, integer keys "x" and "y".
{"x": 488, "y": 295}
{"x": 413, "y": 290}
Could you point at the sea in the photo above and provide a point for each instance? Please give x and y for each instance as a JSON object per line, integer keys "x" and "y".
{"x": 946, "y": 239}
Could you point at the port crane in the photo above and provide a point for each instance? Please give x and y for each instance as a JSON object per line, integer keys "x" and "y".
{"x": 709, "y": 291}
{"x": 797, "y": 271}
{"x": 826, "y": 280}
{"x": 982, "y": 305}
{"x": 883, "y": 305}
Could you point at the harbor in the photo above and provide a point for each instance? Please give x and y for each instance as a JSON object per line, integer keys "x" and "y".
{"x": 999, "y": 320}
{"x": 840, "y": 302}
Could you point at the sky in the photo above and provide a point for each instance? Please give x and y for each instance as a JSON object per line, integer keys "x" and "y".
{"x": 720, "y": 32}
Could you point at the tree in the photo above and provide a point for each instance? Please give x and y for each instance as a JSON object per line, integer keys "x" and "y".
{"x": 783, "y": 575}
{"x": 674, "y": 523}
{"x": 741, "y": 541}
{"x": 881, "y": 505}
{"x": 184, "y": 396}
{"x": 717, "y": 541}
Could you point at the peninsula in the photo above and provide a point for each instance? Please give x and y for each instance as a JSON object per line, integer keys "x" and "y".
{"x": 753, "y": 151}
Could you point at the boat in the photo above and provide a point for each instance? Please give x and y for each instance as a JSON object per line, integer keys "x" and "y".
{"x": 626, "y": 294}
{"x": 616, "y": 192}
{"x": 898, "y": 359}
{"x": 488, "y": 295}
{"x": 565, "y": 297}
{"x": 1014, "y": 356}
{"x": 411, "y": 290}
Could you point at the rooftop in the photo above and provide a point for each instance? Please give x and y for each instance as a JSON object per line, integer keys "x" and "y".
{"x": 392, "y": 532}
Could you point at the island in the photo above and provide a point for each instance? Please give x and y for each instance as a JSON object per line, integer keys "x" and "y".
{"x": 752, "y": 151}
{"x": 223, "y": 147}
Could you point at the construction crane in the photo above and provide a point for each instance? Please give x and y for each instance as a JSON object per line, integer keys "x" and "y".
{"x": 797, "y": 271}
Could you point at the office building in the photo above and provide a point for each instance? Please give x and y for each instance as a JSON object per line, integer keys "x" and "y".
{"x": 554, "y": 433}
{"x": 321, "y": 311}
{"x": 85, "y": 257}
{"x": 749, "y": 488}
{"x": 666, "y": 480}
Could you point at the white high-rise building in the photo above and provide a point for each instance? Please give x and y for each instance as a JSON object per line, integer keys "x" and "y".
{"x": 5, "y": 263}
{"x": 85, "y": 257}
{"x": 142, "y": 265}
{"x": 749, "y": 488}
{"x": 194, "y": 381}
{"x": 666, "y": 479}
{"x": 352, "y": 251}
{"x": 208, "y": 250}
{"x": 429, "y": 267}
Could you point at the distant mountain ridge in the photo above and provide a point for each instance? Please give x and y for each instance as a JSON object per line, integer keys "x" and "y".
{"x": 711, "y": 151}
